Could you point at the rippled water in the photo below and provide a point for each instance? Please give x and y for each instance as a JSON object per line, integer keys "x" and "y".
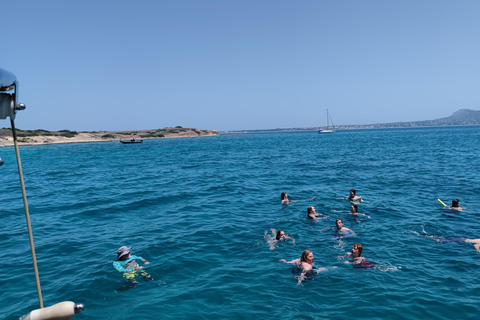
{"x": 198, "y": 208}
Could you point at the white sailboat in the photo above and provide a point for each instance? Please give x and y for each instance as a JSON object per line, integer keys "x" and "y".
{"x": 329, "y": 129}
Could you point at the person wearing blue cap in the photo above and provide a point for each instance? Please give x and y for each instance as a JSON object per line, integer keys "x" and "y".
{"x": 127, "y": 264}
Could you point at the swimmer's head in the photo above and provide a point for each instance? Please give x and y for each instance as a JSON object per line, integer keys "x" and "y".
{"x": 455, "y": 203}
{"x": 353, "y": 192}
{"x": 284, "y": 196}
{"x": 311, "y": 209}
{"x": 307, "y": 256}
{"x": 357, "y": 246}
{"x": 280, "y": 233}
{"x": 339, "y": 223}
{"x": 123, "y": 253}
{"x": 354, "y": 208}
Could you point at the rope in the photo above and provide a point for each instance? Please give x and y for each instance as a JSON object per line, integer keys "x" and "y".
{"x": 27, "y": 215}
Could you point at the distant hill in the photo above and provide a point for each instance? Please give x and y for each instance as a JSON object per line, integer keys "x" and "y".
{"x": 458, "y": 118}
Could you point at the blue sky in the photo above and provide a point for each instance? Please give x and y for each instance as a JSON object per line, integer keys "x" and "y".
{"x": 229, "y": 65}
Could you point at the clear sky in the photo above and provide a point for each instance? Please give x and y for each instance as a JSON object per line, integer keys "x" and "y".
{"x": 228, "y": 65}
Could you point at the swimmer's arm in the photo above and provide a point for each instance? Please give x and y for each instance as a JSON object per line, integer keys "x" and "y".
{"x": 324, "y": 269}
{"x": 361, "y": 200}
{"x": 343, "y": 257}
{"x": 363, "y": 214}
{"x": 120, "y": 268}
{"x": 358, "y": 260}
{"x": 351, "y": 231}
{"x": 137, "y": 257}
{"x": 296, "y": 261}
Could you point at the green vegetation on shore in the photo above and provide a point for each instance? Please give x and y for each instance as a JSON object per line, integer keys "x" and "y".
{"x": 42, "y": 136}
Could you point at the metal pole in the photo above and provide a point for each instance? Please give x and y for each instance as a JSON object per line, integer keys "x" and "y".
{"x": 27, "y": 215}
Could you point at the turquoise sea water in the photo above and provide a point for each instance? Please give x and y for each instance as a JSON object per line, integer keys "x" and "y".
{"x": 198, "y": 208}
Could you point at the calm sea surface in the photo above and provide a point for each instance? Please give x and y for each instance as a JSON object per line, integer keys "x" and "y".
{"x": 198, "y": 209}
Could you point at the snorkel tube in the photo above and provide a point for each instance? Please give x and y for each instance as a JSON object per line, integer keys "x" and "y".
{"x": 442, "y": 202}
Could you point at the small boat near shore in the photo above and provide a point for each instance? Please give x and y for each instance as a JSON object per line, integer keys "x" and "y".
{"x": 131, "y": 141}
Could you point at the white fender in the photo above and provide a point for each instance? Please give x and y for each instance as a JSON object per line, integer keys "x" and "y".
{"x": 60, "y": 311}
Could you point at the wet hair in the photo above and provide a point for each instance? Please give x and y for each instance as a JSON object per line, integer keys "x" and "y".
{"x": 305, "y": 254}
{"x": 356, "y": 207}
{"x": 354, "y": 191}
{"x": 338, "y": 220}
{"x": 283, "y": 196}
{"x": 310, "y": 209}
{"x": 359, "y": 247}
{"x": 455, "y": 203}
{"x": 279, "y": 235}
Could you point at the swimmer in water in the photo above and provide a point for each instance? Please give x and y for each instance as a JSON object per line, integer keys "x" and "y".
{"x": 305, "y": 263}
{"x": 353, "y": 196}
{"x": 354, "y": 211}
{"x": 355, "y": 256}
{"x": 127, "y": 264}
{"x": 284, "y": 198}
{"x": 312, "y": 214}
{"x": 475, "y": 242}
{"x": 340, "y": 229}
{"x": 456, "y": 205}
{"x": 279, "y": 236}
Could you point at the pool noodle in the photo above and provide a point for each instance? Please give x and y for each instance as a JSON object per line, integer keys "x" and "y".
{"x": 442, "y": 202}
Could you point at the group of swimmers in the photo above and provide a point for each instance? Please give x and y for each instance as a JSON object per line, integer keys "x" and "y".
{"x": 305, "y": 263}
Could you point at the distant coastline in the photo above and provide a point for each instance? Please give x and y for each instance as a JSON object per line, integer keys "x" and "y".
{"x": 462, "y": 117}
{"x": 40, "y": 136}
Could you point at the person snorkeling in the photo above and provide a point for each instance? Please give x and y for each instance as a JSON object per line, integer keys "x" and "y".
{"x": 475, "y": 242}
{"x": 456, "y": 205}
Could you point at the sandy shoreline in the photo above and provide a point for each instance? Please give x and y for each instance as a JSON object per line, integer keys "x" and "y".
{"x": 43, "y": 137}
